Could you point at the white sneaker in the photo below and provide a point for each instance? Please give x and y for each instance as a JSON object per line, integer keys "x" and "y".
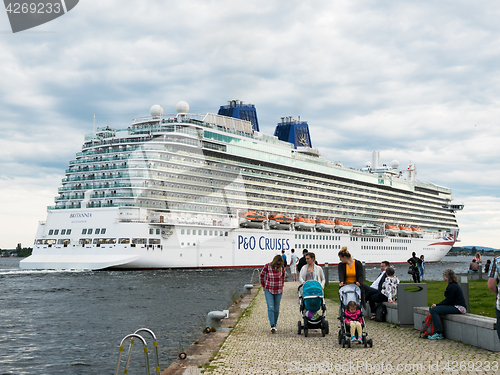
{"x": 274, "y": 330}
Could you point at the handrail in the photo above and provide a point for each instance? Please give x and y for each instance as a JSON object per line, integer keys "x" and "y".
{"x": 253, "y": 272}
{"x": 155, "y": 344}
{"x": 132, "y": 336}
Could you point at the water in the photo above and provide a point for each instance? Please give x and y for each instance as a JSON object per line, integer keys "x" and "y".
{"x": 73, "y": 322}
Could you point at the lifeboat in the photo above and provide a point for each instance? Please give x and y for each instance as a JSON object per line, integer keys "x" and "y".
{"x": 304, "y": 223}
{"x": 405, "y": 229}
{"x": 391, "y": 229}
{"x": 279, "y": 221}
{"x": 323, "y": 224}
{"x": 417, "y": 231}
{"x": 343, "y": 225}
{"x": 251, "y": 219}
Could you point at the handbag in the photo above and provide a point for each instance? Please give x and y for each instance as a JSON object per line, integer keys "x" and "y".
{"x": 380, "y": 313}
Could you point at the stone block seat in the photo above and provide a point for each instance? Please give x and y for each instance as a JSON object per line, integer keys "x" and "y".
{"x": 475, "y": 330}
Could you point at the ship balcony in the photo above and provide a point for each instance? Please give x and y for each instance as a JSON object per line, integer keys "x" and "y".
{"x": 64, "y": 207}
{"x": 102, "y": 186}
{"x": 118, "y": 204}
{"x": 98, "y": 160}
{"x": 111, "y": 195}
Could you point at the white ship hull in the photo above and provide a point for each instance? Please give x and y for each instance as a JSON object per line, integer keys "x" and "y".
{"x": 236, "y": 247}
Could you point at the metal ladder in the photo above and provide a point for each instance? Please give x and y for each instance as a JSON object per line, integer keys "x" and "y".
{"x": 144, "y": 343}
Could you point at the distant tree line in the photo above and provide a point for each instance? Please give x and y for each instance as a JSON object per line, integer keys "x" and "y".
{"x": 20, "y": 251}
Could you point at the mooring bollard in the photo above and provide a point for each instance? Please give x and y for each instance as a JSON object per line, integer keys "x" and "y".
{"x": 327, "y": 276}
{"x": 214, "y": 318}
{"x": 247, "y": 288}
{"x": 364, "y": 270}
{"x": 480, "y": 271}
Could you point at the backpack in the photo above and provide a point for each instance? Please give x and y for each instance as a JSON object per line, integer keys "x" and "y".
{"x": 427, "y": 327}
{"x": 380, "y": 313}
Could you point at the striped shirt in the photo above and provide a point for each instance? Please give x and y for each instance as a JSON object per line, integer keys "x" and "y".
{"x": 271, "y": 279}
{"x": 495, "y": 273}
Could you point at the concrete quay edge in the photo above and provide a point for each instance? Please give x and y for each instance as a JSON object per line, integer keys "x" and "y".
{"x": 208, "y": 344}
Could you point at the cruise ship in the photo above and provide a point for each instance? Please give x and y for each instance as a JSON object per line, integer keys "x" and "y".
{"x": 212, "y": 190}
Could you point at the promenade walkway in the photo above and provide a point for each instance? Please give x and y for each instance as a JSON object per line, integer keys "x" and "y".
{"x": 252, "y": 349}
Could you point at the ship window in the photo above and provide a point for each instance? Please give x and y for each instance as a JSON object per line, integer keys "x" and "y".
{"x": 154, "y": 241}
{"x": 182, "y": 231}
{"x": 97, "y": 231}
{"x": 189, "y": 231}
{"x": 158, "y": 231}
{"x": 216, "y": 232}
{"x": 210, "y": 233}
{"x": 89, "y": 231}
{"x": 63, "y": 231}
{"x": 226, "y": 234}
{"x": 221, "y": 233}
{"x": 199, "y": 232}
{"x": 124, "y": 240}
{"x": 194, "y": 244}
{"x": 84, "y": 231}
{"x": 51, "y": 232}
{"x": 205, "y": 232}
{"x": 151, "y": 230}
{"x": 64, "y": 242}
{"x": 103, "y": 230}
{"x": 139, "y": 241}
{"x": 56, "y": 232}
{"x": 85, "y": 241}
{"x": 182, "y": 243}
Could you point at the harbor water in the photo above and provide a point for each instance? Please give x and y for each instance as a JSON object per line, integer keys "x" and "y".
{"x": 72, "y": 322}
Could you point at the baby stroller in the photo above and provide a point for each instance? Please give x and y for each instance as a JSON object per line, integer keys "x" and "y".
{"x": 347, "y": 293}
{"x": 310, "y": 304}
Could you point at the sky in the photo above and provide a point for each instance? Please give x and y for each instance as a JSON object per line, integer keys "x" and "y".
{"x": 418, "y": 81}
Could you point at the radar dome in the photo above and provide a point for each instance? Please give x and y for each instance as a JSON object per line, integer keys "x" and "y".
{"x": 394, "y": 164}
{"x": 156, "y": 111}
{"x": 368, "y": 164}
{"x": 182, "y": 107}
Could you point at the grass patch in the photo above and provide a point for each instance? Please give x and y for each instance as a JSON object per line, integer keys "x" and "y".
{"x": 481, "y": 300}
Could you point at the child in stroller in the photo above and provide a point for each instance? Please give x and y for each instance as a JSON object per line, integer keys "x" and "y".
{"x": 311, "y": 301}
{"x": 347, "y": 293}
{"x": 353, "y": 318}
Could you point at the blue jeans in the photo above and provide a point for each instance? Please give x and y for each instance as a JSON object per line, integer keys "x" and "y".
{"x": 273, "y": 306}
{"x": 441, "y": 310}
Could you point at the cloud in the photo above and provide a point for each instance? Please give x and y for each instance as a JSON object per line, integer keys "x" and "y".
{"x": 416, "y": 80}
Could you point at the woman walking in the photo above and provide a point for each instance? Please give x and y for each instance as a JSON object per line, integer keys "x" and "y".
{"x": 311, "y": 271}
{"x": 454, "y": 303}
{"x": 272, "y": 278}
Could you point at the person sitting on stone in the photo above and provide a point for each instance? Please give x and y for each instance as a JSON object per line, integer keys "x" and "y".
{"x": 473, "y": 267}
{"x": 373, "y": 293}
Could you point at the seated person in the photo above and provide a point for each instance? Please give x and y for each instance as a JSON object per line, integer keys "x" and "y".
{"x": 453, "y": 303}
{"x": 375, "y": 290}
{"x": 353, "y": 318}
{"x": 473, "y": 267}
{"x": 390, "y": 286}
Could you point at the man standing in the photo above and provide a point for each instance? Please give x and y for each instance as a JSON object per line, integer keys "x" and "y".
{"x": 283, "y": 255}
{"x": 493, "y": 285}
{"x": 293, "y": 265}
{"x": 302, "y": 261}
{"x": 373, "y": 293}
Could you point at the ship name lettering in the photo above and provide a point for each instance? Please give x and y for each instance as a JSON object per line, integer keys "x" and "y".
{"x": 85, "y": 214}
{"x": 264, "y": 243}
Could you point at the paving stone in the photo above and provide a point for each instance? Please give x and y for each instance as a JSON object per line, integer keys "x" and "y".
{"x": 252, "y": 349}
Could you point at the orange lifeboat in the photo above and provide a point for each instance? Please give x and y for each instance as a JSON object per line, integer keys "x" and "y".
{"x": 391, "y": 229}
{"x": 344, "y": 225}
{"x": 304, "y": 222}
{"x": 280, "y": 221}
{"x": 324, "y": 224}
{"x": 417, "y": 231}
{"x": 251, "y": 219}
{"x": 405, "y": 229}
